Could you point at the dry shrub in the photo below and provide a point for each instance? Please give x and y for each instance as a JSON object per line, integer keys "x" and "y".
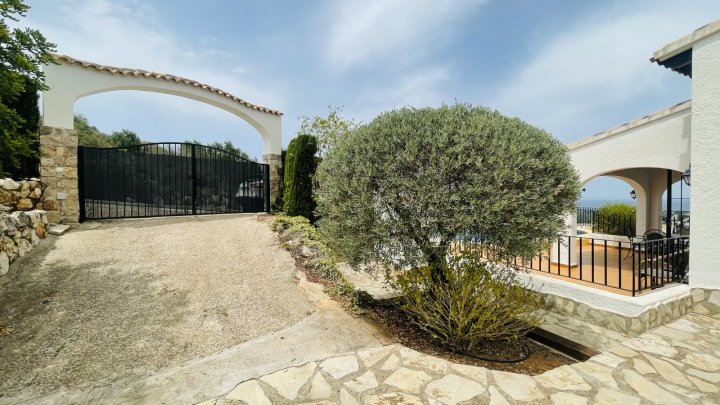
{"x": 476, "y": 302}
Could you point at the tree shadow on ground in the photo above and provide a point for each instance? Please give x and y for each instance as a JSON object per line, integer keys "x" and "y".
{"x": 72, "y": 325}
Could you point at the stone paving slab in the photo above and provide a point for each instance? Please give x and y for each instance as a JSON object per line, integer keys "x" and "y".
{"x": 678, "y": 363}
{"x": 572, "y": 328}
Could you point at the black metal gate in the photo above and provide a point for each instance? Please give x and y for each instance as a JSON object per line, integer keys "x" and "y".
{"x": 165, "y": 179}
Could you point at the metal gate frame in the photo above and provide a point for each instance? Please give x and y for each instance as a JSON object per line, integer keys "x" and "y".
{"x": 135, "y": 181}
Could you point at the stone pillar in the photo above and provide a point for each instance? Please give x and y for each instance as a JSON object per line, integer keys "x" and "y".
{"x": 704, "y": 152}
{"x": 59, "y": 170}
{"x": 275, "y": 162}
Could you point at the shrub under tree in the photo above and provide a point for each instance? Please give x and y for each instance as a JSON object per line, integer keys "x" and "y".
{"x": 478, "y": 301}
{"x": 300, "y": 165}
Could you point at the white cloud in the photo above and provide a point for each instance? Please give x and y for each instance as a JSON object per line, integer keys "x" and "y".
{"x": 107, "y": 32}
{"x": 364, "y": 32}
{"x": 418, "y": 88}
{"x": 599, "y": 63}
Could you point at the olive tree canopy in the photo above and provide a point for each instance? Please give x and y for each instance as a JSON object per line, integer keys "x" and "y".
{"x": 400, "y": 189}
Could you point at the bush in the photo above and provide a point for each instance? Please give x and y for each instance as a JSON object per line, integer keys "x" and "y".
{"x": 478, "y": 302}
{"x": 299, "y": 171}
{"x": 616, "y": 218}
{"x": 399, "y": 190}
{"x": 303, "y": 240}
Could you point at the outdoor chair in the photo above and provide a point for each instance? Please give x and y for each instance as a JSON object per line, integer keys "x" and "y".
{"x": 648, "y": 236}
{"x": 662, "y": 269}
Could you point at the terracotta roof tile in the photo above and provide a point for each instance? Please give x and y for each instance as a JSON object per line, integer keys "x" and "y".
{"x": 144, "y": 73}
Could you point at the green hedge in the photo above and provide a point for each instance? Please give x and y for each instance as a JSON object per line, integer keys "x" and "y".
{"x": 300, "y": 165}
{"x": 615, "y": 218}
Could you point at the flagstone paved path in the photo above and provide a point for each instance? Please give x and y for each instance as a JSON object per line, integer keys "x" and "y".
{"x": 678, "y": 363}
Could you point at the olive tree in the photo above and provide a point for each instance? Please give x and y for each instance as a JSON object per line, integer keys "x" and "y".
{"x": 401, "y": 189}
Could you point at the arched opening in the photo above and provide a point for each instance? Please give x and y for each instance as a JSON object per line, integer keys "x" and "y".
{"x": 71, "y": 80}
{"x": 167, "y": 118}
{"x": 608, "y": 206}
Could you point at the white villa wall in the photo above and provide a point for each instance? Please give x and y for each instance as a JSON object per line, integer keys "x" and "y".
{"x": 705, "y": 180}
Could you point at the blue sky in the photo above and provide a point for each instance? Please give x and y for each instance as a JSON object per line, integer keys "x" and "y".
{"x": 574, "y": 68}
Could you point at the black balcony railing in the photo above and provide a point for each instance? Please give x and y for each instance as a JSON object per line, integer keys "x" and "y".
{"x": 608, "y": 224}
{"x": 621, "y": 267}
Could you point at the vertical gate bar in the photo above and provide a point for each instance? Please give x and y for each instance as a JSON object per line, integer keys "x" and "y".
{"x": 605, "y": 263}
{"x": 146, "y": 176}
{"x": 183, "y": 177}
{"x": 620, "y": 265}
{"x": 81, "y": 181}
{"x": 266, "y": 183}
{"x": 569, "y": 256}
{"x": 580, "y": 260}
{"x": 592, "y": 260}
{"x": 217, "y": 179}
{"x": 124, "y": 188}
{"x": 177, "y": 170}
{"x": 146, "y": 181}
{"x": 160, "y": 180}
{"x": 112, "y": 180}
{"x": 632, "y": 246}
{"x": 106, "y": 181}
{"x": 558, "y": 256}
{"x": 194, "y": 180}
{"x": 257, "y": 189}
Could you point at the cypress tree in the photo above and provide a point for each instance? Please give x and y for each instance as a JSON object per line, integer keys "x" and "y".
{"x": 300, "y": 165}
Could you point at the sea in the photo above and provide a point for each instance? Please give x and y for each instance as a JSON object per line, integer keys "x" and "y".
{"x": 596, "y": 203}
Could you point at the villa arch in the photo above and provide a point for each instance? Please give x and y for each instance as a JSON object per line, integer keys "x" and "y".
{"x": 71, "y": 79}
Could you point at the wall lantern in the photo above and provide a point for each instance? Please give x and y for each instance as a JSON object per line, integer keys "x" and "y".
{"x": 686, "y": 176}
{"x": 633, "y": 195}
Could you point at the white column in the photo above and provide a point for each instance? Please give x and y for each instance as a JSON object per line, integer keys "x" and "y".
{"x": 704, "y": 152}
{"x": 567, "y": 257}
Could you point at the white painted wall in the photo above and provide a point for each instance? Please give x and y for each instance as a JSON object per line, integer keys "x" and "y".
{"x": 69, "y": 82}
{"x": 661, "y": 140}
{"x": 639, "y": 153}
{"x": 596, "y": 298}
{"x": 705, "y": 180}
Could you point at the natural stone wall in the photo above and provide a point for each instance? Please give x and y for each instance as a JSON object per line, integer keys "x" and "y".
{"x": 59, "y": 170}
{"x": 706, "y": 302}
{"x": 19, "y": 232}
{"x": 275, "y": 162}
{"x": 20, "y": 195}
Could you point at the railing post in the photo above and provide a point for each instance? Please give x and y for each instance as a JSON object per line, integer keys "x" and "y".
{"x": 633, "y": 268}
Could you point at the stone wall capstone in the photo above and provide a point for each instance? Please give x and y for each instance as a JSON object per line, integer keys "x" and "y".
{"x": 59, "y": 170}
{"x": 20, "y": 231}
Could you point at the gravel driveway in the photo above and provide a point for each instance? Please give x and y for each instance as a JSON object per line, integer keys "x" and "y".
{"x": 125, "y": 299}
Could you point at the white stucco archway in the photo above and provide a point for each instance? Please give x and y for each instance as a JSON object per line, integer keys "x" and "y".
{"x": 72, "y": 79}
